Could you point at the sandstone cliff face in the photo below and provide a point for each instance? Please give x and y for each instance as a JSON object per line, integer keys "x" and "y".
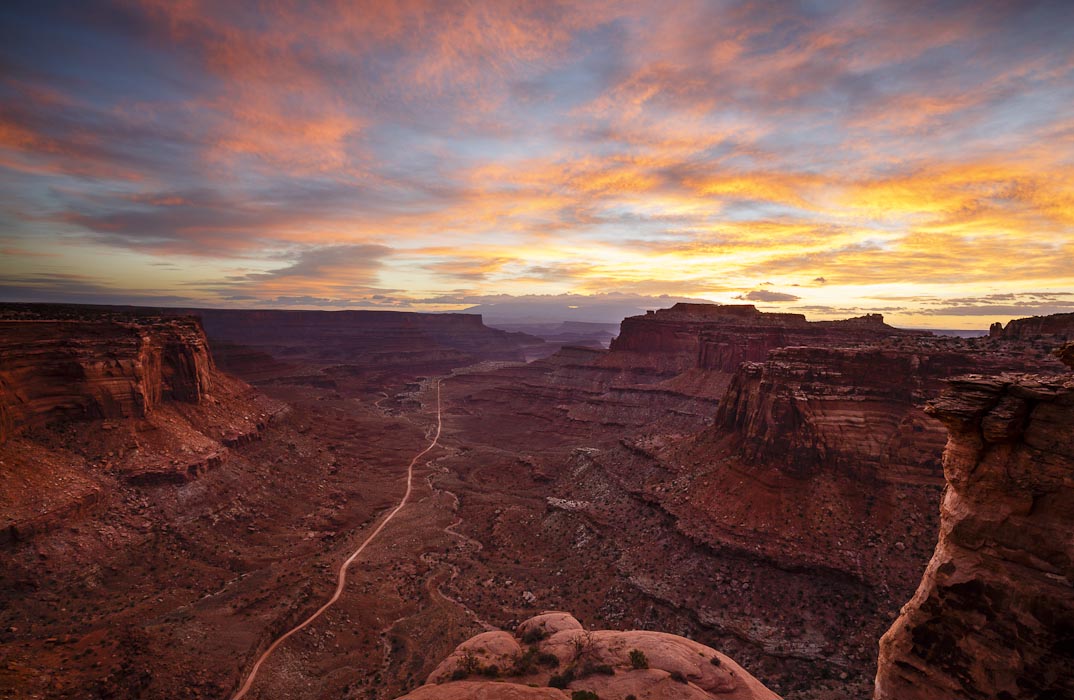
{"x": 720, "y": 337}
{"x": 53, "y": 370}
{"x": 89, "y": 398}
{"x": 855, "y": 409}
{"x": 993, "y": 616}
{"x": 554, "y": 644}
{"x": 1051, "y": 328}
{"x": 672, "y": 366}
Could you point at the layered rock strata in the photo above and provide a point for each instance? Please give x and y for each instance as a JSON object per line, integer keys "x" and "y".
{"x": 856, "y": 409}
{"x": 551, "y": 656}
{"x": 87, "y": 401}
{"x": 55, "y": 370}
{"x": 993, "y": 616}
{"x": 720, "y": 337}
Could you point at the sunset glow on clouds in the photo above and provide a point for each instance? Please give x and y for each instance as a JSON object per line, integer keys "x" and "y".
{"x": 832, "y": 158}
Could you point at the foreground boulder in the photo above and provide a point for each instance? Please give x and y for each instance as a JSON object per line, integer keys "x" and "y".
{"x": 552, "y": 656}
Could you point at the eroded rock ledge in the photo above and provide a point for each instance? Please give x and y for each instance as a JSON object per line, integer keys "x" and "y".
{"x": 994, "y": 614}
{"x": 551, "y": 656}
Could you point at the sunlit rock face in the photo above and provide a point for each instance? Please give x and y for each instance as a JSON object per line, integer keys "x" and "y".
{"x": 552, "y": 656}
{"x": 994, "y": 614}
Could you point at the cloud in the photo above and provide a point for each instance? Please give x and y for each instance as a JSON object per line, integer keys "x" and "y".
{"x": 353, "y": 263}
{"x": 544, "y": 308}
{"x": 267, "y": 150}
{"x": 767, "y": 296}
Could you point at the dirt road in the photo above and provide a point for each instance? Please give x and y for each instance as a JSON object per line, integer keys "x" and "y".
{"x": 342, "y": 573}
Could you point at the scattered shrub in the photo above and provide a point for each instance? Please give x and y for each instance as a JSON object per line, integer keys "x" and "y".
{"x": 678, "y": 677}
{"x": 590, "y": 669}
{"x": 526, "y": 663}
{"x": 715, "y": 660}
{"x": 561, "y": 680}
{"x": 533, "y": 635}
{"x": 584, "y": 695}
{"x": 637, "y": 659}
{"x": 459, "y": 674}
{"x": 492, "y": 671}
{"x": 545, "y": 658}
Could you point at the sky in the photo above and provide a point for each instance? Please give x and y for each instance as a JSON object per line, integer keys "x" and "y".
{"x": 902, "y": 157}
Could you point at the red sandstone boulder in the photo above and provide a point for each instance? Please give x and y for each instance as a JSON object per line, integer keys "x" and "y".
{"x": 553, "y": 647}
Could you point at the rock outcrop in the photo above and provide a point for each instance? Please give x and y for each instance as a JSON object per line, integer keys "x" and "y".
{"x": 856, "y": 409}
{"x": 552, "y": 656}
{"x": 54, "y": 370}
{"x": 670, "y": 367}
{"x": 993, "y": 616}
{"x": 87, "y": 398}
{"x": 721, "y": 337}
{"x": 1056, "y": 327}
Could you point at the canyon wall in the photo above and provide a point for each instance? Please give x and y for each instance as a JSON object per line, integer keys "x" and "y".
{"x": 368, "y": 338}
{"x": 1057, "y": 327}
{"x": 88, "y": 399}
{"x": 720, "y": 337}
{"x": 993, "y": 616}
{"x": 68, "y": 369}
{"x": 856, "y": 409}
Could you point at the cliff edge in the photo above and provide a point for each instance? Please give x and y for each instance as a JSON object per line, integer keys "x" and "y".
{"x": 993, "y": 616}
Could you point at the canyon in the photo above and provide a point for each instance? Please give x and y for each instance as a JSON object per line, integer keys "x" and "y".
{"x": 188, "y": 481}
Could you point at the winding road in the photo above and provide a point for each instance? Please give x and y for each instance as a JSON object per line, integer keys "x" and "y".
{"x": 342, "y": 574}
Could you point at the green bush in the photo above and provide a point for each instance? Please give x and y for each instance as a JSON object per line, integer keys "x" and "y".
{"x": 584, "y": 695}
{"x": 715, "y": 660}
{"x": 637, "y": 659}
{"x": 545, "y": 658}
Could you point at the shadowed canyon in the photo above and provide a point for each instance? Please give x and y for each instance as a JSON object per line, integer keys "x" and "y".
{"x": 724, "y": 503}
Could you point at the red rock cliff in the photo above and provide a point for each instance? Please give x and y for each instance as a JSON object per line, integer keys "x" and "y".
{"x": 718, "y": 337}
{"x": 73, "y": 369}
{"x": 1054, "y": 327}
{"x": 856, "y": 409}
{"x": 993, "y": 616}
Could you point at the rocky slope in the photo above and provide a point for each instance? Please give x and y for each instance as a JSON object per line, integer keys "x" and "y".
{"x": 857, "y": 409}
{"x": 993, "y": 616}
{"x": 552, "y": 656}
